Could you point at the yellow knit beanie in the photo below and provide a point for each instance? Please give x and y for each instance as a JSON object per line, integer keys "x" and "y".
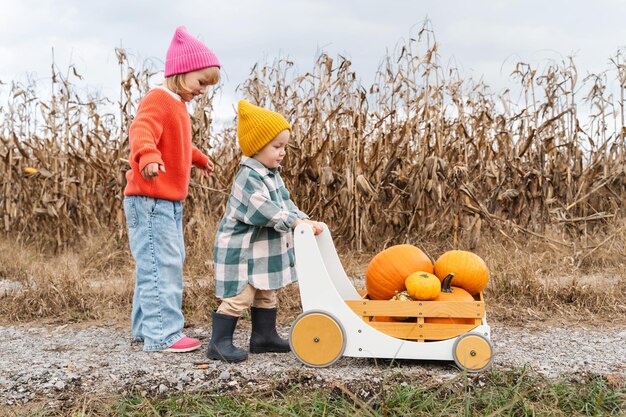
{"x": 256, "y": 127}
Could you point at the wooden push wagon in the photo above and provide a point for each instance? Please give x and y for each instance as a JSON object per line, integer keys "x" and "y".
{"x": 338, "y": 320}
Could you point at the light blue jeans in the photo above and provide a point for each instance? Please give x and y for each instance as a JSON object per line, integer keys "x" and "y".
{"x": 155, "y": 233}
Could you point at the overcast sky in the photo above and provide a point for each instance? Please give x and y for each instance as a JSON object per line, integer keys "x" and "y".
{"x": 483, "y": 38}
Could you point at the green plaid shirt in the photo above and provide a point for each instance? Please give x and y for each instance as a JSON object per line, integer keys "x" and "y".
{"x": 254, "y": 241}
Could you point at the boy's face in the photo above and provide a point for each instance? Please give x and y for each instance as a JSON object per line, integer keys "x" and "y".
{"x": 272, "y": 154}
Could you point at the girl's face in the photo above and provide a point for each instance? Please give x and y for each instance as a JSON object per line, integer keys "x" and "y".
{"x": 272, "y": 154}
{"x": 196, "y": 83}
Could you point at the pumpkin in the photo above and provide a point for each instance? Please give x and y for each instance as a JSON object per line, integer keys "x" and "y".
{"x": 423, "y": 286}
{"x": 402, "y": 296}
{"x": 470, "y": 271}
{"x": 450, "y": 293}
{"x": 387, "y": 271}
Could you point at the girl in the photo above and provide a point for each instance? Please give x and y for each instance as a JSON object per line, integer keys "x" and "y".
{"x": 161, "y": 156}
{"x": 254, "y": 243}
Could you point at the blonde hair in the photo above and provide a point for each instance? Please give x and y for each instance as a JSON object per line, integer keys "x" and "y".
{"x": 176, "y": 82}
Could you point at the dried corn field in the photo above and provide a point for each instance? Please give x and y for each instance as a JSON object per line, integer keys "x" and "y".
{"x": 421, "y": 153}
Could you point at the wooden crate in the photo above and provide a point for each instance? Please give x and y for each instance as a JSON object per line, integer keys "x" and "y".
{"x": 410, "y": 318}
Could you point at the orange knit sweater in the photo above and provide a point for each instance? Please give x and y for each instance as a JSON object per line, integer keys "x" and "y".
{"x": 161, "y": 132}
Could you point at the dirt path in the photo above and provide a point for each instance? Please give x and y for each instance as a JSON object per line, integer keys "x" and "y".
{"x": 54, "y": 363}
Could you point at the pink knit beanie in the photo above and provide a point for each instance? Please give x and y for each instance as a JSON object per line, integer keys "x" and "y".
{"x": 187, "y": 53}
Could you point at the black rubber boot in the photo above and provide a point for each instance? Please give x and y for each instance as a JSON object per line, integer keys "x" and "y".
{"x": 221, "y": 345}
{"x": 264, "y": 337}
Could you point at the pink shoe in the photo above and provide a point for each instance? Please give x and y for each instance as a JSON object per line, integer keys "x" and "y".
{"x": 186, "y": 344}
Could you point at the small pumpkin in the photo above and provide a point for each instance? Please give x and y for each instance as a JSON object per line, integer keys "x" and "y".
{"x": 450, "y": 293}
{"x": 423, "y": 286}
{"x": 402, "y": 296}
{"x": 387, "y": 271}
{"x": 470, "y": 271}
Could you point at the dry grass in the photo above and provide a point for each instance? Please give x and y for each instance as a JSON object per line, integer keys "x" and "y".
{"x": 71, "y": 286}
{"x": 537, "y": 281}
{"x": 530, "y": 280}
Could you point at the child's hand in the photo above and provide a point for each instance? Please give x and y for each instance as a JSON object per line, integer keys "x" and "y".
{"x": 317, "y": 227}
{"x": 207, "y": 170}
{"x": 152, "y": 170}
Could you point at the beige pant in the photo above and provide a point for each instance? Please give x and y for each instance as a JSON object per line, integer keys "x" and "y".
{"x": 250, "y": 296}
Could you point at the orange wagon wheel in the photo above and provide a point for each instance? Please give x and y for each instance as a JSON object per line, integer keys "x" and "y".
{"x": 473, "y": 352}
{"x": 317, "y": 339}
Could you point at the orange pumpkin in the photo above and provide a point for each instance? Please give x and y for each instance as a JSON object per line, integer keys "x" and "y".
{"x": 450, "y": 293}
{"x": 470, "y": 271}
{"x": 387, "y": 271}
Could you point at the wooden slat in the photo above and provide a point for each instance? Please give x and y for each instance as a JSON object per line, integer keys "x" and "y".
{"x": 457, "y": 309}
{"x": 422, "y": 331}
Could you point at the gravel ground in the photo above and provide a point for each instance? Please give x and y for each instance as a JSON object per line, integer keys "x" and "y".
{"x": 57, "y": 363}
